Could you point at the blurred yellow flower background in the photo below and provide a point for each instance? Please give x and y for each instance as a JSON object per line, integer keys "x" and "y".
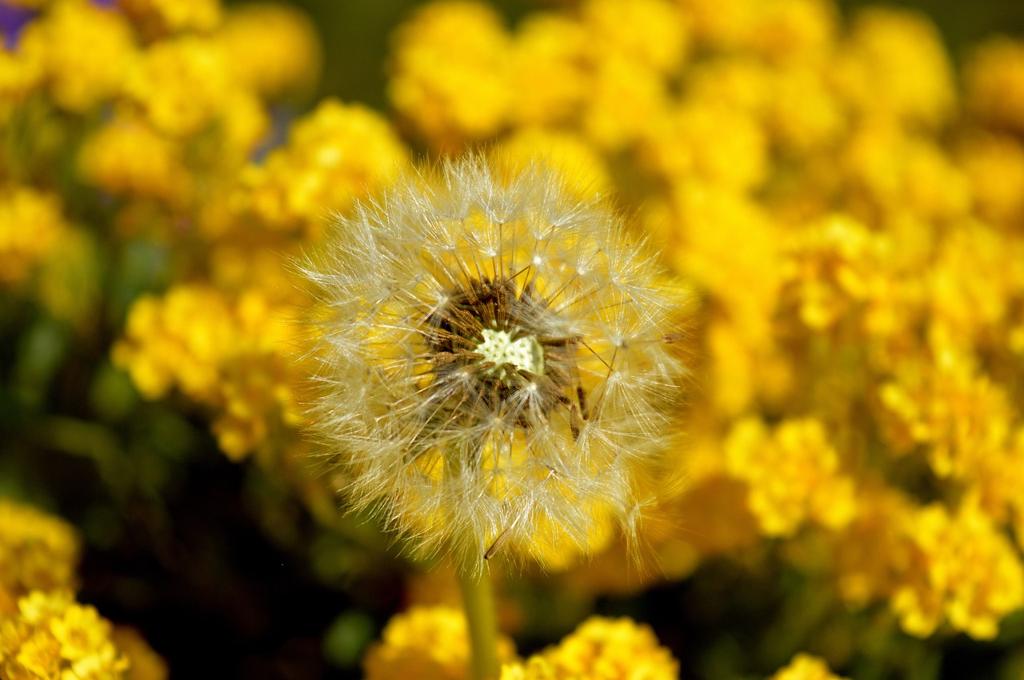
{"x": 839, "y": 193}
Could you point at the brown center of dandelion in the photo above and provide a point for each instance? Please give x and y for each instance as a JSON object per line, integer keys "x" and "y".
{"x": 491, "y": 334}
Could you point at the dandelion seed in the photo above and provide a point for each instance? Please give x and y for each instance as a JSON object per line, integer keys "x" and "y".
{"x": 495, "y": 365}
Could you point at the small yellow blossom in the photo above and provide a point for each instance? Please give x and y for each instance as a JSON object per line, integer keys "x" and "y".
{"x": 805, "y": 667}
{"x": 450, "y": 77}
{"x": 994, "y": 165}
{"x": 231, "y": 355}
{"x": 37, "y": 552}
{"x": 721, "y": 24}
{"x": 864, "y": 576}
{"x": 962, "y": 417}
{"x": 713, "y": 144}
{"x": 31, "y": 226}
{"x": 537, "y": 668}
{"x": 968, "y": 307}
{"x": 127, "y": 157}
{"x": 888, "y": 171}
{"x": 625, "y": 95}
{"x": 52, "y": 637}
{"x": 83, "y": 51}
{"x": 20, "y": 75}
{"x": 650, "y": 32}
{"x": 793, "y": 30}
{"x": 335, "y": 155}
{"x": 427, "y": 643}
{"x": 817, "y": 123}
{"x": 272, "y": 49}
{"x": 548, "y": 70}
{"x": 182, "y": 85}
{"x": 994, "y": 84}
{"x": 894, "y": 64}
{"x": 963, "y": 570}
{"x": 793, "y": 474}
{"x": 835, "y": 267}
{"x": 610, "y": 649}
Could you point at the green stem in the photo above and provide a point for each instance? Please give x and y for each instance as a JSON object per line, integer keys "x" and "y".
{"x": 482, "y": 622}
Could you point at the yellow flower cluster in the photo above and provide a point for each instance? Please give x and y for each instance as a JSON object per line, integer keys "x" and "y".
{"x": 805, "y": 667}
{"x": 272, "y": 49}
{"x": 606, "y": 71}
{"x": 37, "y": 552}
{"x": 430, "y": 643}
{"x": 53, "y": 637}
{"x": 44, "y": 633}
{"x": 227, "y": 353}
{"x": 600, "y": 649}
{"x": 854, "y": 229}
{"x": 81, "y": 51}
{"x": 802, "y": 466}
{"x": 933, "y": 567}
{"x": 173, "y": 101}
{"x": 31, "y": 225}
{"x": 336, "y": 154}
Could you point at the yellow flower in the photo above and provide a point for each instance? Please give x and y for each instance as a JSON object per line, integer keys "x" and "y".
{"x": 894, "y": 63}
{"x": 610, "y": 649}
{"x": 728, "y": 245}
{"x": 127, "y": 157}
{"x": 837, "y": 267}
{"x": 31, "y": 225}
{"x": 994, "y": 164}
{"x": 624, "y": 96}
{"x": 963, "y": 570}
{"x": 182, "y": 85}
{"x": 805, "y": 667}
{"x": 549, "y": 73}
{"x": 962, "y": 417}
{"x": 721, "y": 24}
{"x": 994, "y": 83}
{"x": 426, "y": 643}
{"x": 451, "y": 80}
{"x": 652, "y": 33}
{"x": 83, "y": 50}
{"x": 793, "y": 474}
{"x": 20, "y": 75}
{"x": 55, "y": 638}
{"x": 804, "y": 115}
{"x": 231, "y": 354}
{"x": 864, "y": 576}
{"x": 334, "y": 156}
{"x": 969, "y": 306}
{"x": 891, "y": 172}
{"x": 714, "y": 144}
{"x": 793, "y": 30}
{"x": 537, "y": 668}
{"x": 37, "y": 552}
{"x": 272, "y": 49}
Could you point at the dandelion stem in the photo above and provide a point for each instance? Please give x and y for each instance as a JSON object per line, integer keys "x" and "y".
{"x": 482, "y": 622}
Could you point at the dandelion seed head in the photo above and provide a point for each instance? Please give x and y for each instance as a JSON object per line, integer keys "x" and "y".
{"x": 494, "y": 363}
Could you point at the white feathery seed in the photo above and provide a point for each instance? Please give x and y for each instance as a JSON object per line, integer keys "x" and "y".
{"x": 497, "y": 361}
